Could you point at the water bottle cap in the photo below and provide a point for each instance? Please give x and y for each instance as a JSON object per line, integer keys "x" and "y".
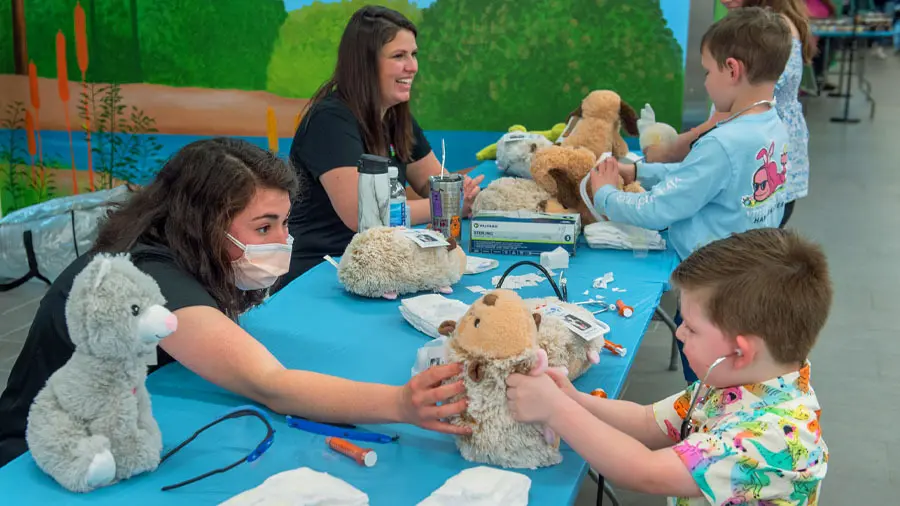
{"x": 373, "y": 164}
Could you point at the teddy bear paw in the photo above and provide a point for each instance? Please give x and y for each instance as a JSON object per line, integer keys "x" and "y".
{"x": 594, "y": 356}
{"x": 102, "y": 470}
{"x": 446, "y": 290}
{"x": 390, "y": 295}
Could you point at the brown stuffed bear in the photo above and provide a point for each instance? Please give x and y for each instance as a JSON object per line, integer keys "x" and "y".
{"x": 498, "y": 336}
{"x": 596, "y": 124}
{"x": 593, "y": 129}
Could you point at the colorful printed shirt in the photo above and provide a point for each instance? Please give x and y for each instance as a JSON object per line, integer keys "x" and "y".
{"x": 756, "y": 444}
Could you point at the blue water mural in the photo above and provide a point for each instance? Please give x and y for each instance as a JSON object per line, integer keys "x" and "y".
{"x": 676, "y": 13}
{"x": 461, "y": 148}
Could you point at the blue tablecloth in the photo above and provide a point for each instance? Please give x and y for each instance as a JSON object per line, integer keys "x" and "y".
{"x": 314, "y": 324}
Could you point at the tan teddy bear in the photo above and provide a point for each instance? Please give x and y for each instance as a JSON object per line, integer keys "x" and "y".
{"x": 498, "y": 336}
{"x": 502, "y": 334}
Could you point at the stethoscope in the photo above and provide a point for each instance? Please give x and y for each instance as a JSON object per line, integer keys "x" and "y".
{"x": 770, "y": 103}
{"x": 686, "y": 423}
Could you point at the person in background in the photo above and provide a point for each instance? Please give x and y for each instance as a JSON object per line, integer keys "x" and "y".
{"x": 211, "y": 230}
{"x": 787, "y": 98}
{"x": 363, "y": 108}
{"x": 821, "y": 9}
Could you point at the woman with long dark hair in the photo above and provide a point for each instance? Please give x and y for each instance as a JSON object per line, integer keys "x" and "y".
{"x": 211, "y": 230}
{"x": 362, "y": 108}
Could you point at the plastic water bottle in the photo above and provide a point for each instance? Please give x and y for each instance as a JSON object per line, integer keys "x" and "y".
{"x": 399, "y": 208}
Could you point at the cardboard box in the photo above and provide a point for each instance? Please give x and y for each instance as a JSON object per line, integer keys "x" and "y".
{"x": 522, "y": 233}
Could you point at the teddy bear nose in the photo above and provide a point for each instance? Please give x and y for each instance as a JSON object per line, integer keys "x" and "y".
{"x": 171, "y": 323}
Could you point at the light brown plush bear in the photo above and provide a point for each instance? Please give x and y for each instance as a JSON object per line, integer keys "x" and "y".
{"x": 498, "y": 336}
{"x": 502, "y": 334}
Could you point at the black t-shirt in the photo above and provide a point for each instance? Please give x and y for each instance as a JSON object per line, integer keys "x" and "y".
{"x": 48, "y": 346}
{"x": 328, "y": 137}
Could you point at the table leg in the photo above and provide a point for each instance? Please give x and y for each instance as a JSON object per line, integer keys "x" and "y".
{"x": 669, "y": 322}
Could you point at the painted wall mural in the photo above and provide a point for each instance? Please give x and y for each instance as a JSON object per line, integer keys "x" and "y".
{"x": 94, "y": 93}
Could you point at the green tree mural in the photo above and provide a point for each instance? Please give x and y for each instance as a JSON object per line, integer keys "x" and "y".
{"x": 489, "y": 65}
{"x": 307, "y": 45}
{"x": 7, "y": 63}
{"x": 221, "y": 44}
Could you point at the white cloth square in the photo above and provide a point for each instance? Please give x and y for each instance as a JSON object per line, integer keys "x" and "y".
{"x": 609, "y": 235}
{"x": 301, "y": 487}
{"x": 426, "y": 312}
{"x": 482, "y": 486}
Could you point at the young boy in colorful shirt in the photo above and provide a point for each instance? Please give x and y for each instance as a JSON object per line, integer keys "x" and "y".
{"x": 753, "y": 306}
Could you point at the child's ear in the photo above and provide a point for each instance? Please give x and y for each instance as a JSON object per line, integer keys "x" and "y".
{"x": 745, "y": 350}
{"x": 735, "y": 68}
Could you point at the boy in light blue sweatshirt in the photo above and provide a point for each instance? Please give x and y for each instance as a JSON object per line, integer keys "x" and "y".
{"x": 734, "y": 178}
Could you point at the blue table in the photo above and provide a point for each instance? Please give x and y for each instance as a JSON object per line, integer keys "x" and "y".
{"x": 314, "y": 324}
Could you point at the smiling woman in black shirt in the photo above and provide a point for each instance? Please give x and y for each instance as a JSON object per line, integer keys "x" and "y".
{"x": 363, "y": 108}
{"x": 193, "y": 230}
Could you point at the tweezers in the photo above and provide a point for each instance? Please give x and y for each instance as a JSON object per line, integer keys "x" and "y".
{"x": 343, "y": 431}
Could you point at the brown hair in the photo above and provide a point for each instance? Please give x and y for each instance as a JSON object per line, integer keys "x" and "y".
{"x": 768, "y": 283}
{"x": 355, "y": 80}
{"x": 798, "y": 13}
{"x": 189, "y": 207}
{"x": 758, "y": 38}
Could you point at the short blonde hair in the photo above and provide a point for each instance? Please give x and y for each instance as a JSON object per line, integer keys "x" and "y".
{"x": 759, "y": 38}
{"x": 767, "y": 282}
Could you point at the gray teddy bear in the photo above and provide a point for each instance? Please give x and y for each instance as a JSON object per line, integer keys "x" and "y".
{"x": 91, "y": 425}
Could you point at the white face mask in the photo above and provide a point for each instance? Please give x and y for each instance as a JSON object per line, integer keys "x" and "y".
{"x": 261, "y": 264}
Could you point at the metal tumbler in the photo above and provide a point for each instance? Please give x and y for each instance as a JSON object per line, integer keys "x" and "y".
{"x": 447, "y": 204}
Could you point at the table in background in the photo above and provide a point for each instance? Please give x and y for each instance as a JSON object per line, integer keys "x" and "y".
{"x": 314, "y": 324}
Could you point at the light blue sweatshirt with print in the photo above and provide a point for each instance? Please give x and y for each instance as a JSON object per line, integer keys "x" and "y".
{"x": 733, "y": 180}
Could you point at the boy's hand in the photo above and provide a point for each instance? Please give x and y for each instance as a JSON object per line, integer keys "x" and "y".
{"x": 604, "y": 173}
{"x": 627, "y": 171}
{"x": 533, "y": 399}
{"x": 560, "y": 376}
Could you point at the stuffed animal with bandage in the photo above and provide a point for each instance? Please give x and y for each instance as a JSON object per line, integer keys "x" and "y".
{"x": 91, "y": 424}
{"x": 385, "y": 262}
{"x": 498, "y": 336}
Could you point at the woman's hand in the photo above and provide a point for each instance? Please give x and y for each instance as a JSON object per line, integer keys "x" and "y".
{"x": 420, "y": 397}
{"x": 470, "y": 191}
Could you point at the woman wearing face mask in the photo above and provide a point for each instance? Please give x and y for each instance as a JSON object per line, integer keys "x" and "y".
{"x": 212, "y": 232}
{"x": 363, "y": 108}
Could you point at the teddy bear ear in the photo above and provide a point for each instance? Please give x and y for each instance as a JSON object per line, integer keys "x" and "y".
{"x": 537, "y": 319}
{"x": 629, "y": 118}
{"x": 451, "y": 244}
{"x": 447, "y": 327}
{"x": 490, "y": 299}
{"x": 566, "y": 192}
